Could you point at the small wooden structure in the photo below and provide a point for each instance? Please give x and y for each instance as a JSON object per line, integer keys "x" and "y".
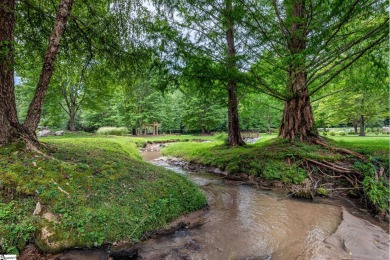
{"x": 153, "y": 126}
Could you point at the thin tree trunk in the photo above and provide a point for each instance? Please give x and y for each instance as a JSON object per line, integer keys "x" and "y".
{"x": 362, "y": 130}
{"x": 355, "y": 126}
{"x": 35, "y": 108}
{"x": 268, "y": 121}
{"x": 361, "y": 126}
{"x": 298, "y": 119}
{"x": 234, "y": 135}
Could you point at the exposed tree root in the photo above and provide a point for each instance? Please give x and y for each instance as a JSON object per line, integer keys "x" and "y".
{"x": 341, "y": 150}
{"x": 331, "y": 166}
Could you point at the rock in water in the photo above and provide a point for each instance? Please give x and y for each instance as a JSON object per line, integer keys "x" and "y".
{"x": 354, "y": 238}
{"x": 45, "y": 132}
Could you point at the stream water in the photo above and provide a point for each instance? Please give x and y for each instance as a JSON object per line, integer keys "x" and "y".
{"x": 245, "y": 223}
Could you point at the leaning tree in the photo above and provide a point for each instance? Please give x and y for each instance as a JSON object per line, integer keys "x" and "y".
{"x": 10, "y": 127}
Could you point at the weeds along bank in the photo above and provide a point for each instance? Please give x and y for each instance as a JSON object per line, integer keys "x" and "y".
{"x": 91, "y": 190}
{"x": 306, "y": 169}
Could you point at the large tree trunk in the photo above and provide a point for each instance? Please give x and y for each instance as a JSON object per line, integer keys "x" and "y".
{"x": 10, "y": 128}
{"x": 34, "y": 111}
{"x": 298, "y": 119}
{"x": 8, "y": 116}
{"x": 234, "y": 135}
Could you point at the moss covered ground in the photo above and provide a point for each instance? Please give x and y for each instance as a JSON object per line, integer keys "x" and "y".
{"x": 96, "y": 190}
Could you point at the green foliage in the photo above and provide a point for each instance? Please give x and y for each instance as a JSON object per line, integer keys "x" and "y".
{"x": 16, "y": 225}
{"x": 112, "y": 130}
{"x": 221, "y": 136}
{"x": 376, "y": 188}
{"x": 322, "y": 191}
{"x": 109, "y": 188}
{"x": 279, "y": 170}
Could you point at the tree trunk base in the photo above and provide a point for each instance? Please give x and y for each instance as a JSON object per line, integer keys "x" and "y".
{"x": 298, "y": 120}
{"x": 19, "y": 133}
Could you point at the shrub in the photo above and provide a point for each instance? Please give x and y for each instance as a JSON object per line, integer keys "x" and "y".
{"x": 222, "y": 136}
{"x": 322, "y": 191}
{"x": 332, "y": 133}
{"x": 112, "y": 130}
{"x": 324, "y": 133}
{"x": 342, "y": 133}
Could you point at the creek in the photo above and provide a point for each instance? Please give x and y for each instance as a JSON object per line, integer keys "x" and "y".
{"x": 243, "y": 222}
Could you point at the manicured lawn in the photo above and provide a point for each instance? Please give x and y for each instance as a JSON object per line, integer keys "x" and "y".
{"x": 370, "y": 145}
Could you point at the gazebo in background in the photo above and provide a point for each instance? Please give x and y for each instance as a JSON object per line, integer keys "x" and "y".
{"x": 153, "y": 127}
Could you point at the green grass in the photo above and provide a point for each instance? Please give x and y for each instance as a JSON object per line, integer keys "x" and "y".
{"x": 263, "y": 159}
{"x": 113, "y": 194}
{"x": 139, "y": 141}
{"x": 369, "y": 145}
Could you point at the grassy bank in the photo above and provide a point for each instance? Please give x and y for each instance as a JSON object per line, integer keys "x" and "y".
{"x": 92, "y": 189}
{"x": 262, "y": 159}
{"x": 276, "y": 159}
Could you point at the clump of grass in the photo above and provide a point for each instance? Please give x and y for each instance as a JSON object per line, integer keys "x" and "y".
{"x": 98, "y": 188}
{"x": 222, "y": 137}
{"x": 107, "y": 130}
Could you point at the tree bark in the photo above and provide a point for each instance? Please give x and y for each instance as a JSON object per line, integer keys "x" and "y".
{"x": 10, "y": 128}
{"x": 72, "y": 126}
{"x": 268, "y": 121}
{"x": 234, "y": 135}
{"x": 35, "y": 108}
{"x": 8, "y": 116}
{"x": 298, "y": 119}
{"x": 355, "y": 126}
{"x": 362, "y": 131}
{"x": 361, "y": 125}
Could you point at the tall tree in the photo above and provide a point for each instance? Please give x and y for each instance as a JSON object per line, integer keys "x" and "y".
{"x": 205, "y": 32}
{"x": 12, "y": 129}
{"x": 302, "y": 46}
